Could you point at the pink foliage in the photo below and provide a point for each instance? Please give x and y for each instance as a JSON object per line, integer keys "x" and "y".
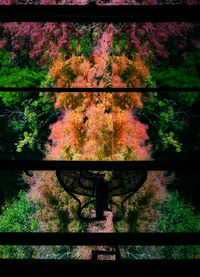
{"x": 45, "y": 40}
{"x": 41, "y": 40}
{"x": 149, "y": 38}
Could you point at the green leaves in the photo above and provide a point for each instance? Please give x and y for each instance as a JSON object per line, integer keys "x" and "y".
{"x": 168, "y": 139}
{"x": 119, "y": 45}
{"x": 169, "y": 115}
{"x": 28, "y": 113}
{"x": 161, "y": 115}
{"x": 184, "y": 76}
{"x": 15, "y": 76}
{"x": 177, "y": 216}
{"x": 18, "y": 216}
{"x": 83, "y": 46}
{"x": 37, "y": 114}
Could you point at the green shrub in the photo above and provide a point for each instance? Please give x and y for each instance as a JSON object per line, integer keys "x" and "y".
{"x": 165, "y": 125}
{"x": 170, "y": 115}
{"x": 15, "y": 76}
{"x": 28, "y": 114}
{"x": 18, "y": 216}
{"x": 33, "y": 124}
{"x": 177, "y": 216}
{"x": 186, "y": 75}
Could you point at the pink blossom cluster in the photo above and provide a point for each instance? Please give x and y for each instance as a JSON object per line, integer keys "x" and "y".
{"x": 45, "y": 40}
{"x": 41, "y": 40}
{"x": 154, "y": 39}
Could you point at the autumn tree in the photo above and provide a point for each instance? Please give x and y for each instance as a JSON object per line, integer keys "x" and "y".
{"x": 94, "y": 126}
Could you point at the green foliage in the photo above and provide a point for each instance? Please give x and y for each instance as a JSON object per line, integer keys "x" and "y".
{"x": 15, "y": 76}
{"x": 82, "y": 46}
{"x": 18, "y": 216}
{"x": 119, "y": 45}
{"x": 24, "y": 117}
{"x": 28, "y": 114}
{"x": 33, "y": 123}
{"x": 186, "y": 75}
{"x": 85, "y": 46}
{"x": 169, "y": 115}
{"x": 163, "y": 121}
{"x": 177, "y": 216}
{"x": 166, "y": 120}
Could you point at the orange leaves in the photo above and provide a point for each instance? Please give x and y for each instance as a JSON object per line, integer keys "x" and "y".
{"x": 75, "y": 61}
{"x": 129, "y": 135}
{"x": 134, "y": 71}
{"x": 61, "y": 72}
{"x": 68, "y": 100}
{"x": 127, "y": 100}
{"x": 106, "y": 119}
{"x": 67, "y": 136}
{"x": 119, "y": 64}
{"x": 99, "y": 134}
{"x": 84, "y": 68}
{"x": 140, "y": 68}
{"x": 128, "y": 73}
{"x": 81, "y": 73}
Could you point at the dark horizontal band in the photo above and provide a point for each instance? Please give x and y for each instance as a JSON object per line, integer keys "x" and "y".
{"x": 98, "y": 165}
{"x": 163, "y": 90}
{"x": 94, "y": 13}
{"x": 99, "y": 238}
{"x": 56, "y": 267}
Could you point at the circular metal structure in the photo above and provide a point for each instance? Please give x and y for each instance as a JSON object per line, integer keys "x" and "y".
{"x": 94, "y": 185}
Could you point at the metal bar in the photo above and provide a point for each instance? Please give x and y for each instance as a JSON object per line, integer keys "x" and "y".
{"x": 117, "y": 253}
{"x": 103, "y": 239}
{"x": 99, "y": 165}
{"x": 56, "y": 267}
{"x": 167, "y": 89}
{"x": 91, "y": 13}
{"x": 100, "y": 197}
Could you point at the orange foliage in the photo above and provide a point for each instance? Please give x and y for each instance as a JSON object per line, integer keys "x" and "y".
{"x": 135, "y": 73}
{"x": 67, "y": 135}
{"x": 94, "y": 126}
{"x": 129, "y": 136}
